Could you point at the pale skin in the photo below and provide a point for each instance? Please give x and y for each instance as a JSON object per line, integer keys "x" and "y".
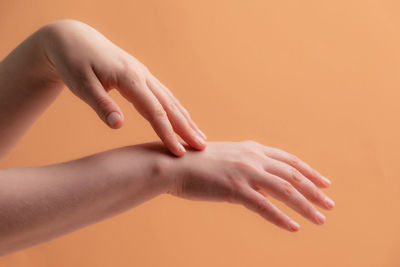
{"x": 38, "y": 204}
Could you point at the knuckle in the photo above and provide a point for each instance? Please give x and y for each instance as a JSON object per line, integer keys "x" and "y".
{"x": 134, "y": 62}
{"x": 135, "y": 75}
{"x": 81, "y": 79}
{"x": 83, "y": 89}
{"x": 287, "y": 189}
{"x": 247, "y": 148}
{"x": 296, "y": 175}
{"x": 261, "y": 206}
{"x": 294, "y": 160}
{"x": 76, "y": 69}
{"x": 157, "y": 114}
{"x": 242, "y": 166}
{"x": 170, "y": 105}
{"x": 124, "y": 65}
{"x": 249, "y": 152}
{"x": 131, "y": 71}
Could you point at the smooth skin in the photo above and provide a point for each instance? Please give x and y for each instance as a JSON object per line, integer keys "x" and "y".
{"x": 74, "y": 54}
{"x": 38, "y": 204}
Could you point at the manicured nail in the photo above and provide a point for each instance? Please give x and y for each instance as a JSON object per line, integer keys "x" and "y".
{"x": 200, "y": 140}
{"x": 320, "y": 217}
{"x": 329, "y": 202}
{"x": 113, "y": 118}
{"x": 326, "y": 180}
{"x": 294, "y": 226}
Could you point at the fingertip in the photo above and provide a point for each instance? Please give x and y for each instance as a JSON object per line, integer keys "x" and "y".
{"x": 180, "y": 150}
{"x": 119, "y": 124}
{"x": 293, "y": 226}
{"x": 200, "y": 142}
{"x": 320, "y": 219}
{"x": 329, "y": 203}
{"x": 321, "y": 183}
{"x": 202, "y": 134}
{"x": 115, "y": 120}
{"x": 203, "y": 147}
{"x": 326, "y": 181}
{"x": 195, "y": 142}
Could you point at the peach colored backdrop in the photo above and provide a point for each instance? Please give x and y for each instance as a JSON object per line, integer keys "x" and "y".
{"x": 320, "y": 79}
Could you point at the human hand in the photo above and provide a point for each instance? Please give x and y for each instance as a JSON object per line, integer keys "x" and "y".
{"x": 91, "y": 65}
{"x": 248, "y": 173}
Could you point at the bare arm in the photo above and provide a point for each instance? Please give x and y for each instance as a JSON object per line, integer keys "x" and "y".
{"x": 41, "y": 203}
{"x": 27, "y": 88}
{"x": 74, "y": 54}
{"x": 38, "y": 204}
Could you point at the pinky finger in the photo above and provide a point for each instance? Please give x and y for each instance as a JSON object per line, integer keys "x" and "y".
{"x": 255, "y": 201}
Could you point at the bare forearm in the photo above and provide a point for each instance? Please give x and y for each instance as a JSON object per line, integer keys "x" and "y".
{"x": 26, "y": 90}
{"x": 38, "y": 204}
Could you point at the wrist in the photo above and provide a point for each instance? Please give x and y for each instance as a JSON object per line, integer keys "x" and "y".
{"x": 163, "y": 173}
{"x": 143, "y": 166}
{"x": 45, "y": 37}
{"x": 165, "y": 168}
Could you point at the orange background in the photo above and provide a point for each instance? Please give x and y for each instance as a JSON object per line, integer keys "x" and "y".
{"x": 320, "y": 79}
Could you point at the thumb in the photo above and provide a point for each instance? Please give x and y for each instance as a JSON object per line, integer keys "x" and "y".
{"x": 105, "y": 107}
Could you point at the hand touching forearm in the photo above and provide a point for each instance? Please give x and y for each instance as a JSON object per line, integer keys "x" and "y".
{"x": 71, "y": 53}
{"x": 41, "y": 203}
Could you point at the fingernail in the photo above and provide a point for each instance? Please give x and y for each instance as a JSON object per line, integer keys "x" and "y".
{"x": 329, "y": 202}
{"x": 202, "y": 134}
{"x": 113, "y": 118}
{"x": 200, "y": 140}
{"x": 326, "y": 180}
{"x": 320, "y": 217}
{"x": 294, "y": 226}
{"x": 181, "y": 148}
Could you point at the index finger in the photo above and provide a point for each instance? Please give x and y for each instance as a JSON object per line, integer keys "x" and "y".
{"x": 150, "y": 108}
